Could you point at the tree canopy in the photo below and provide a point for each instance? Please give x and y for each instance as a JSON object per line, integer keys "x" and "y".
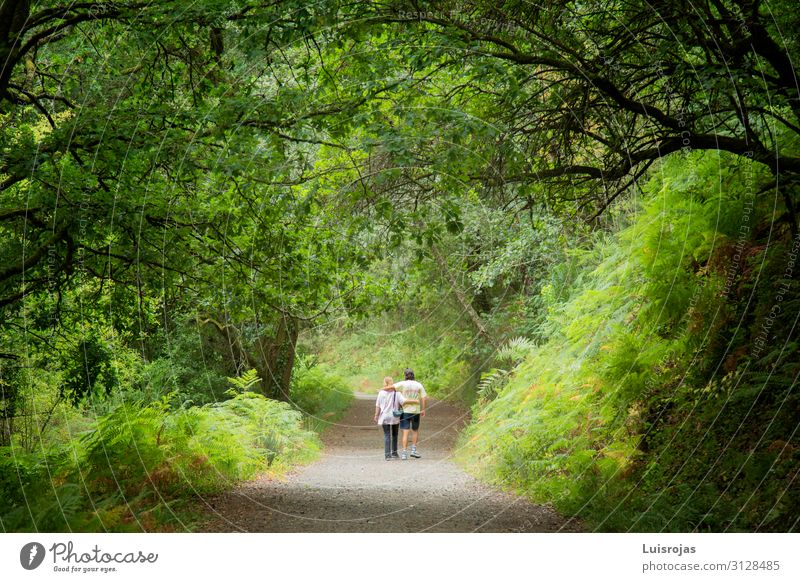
{"x": 189, "y": 190}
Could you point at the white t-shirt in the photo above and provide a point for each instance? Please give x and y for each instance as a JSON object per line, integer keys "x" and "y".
{"x": 412, "y": 390}
{"x": 386, "y": 402}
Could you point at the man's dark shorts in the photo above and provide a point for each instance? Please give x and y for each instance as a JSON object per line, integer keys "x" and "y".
{"x": 409, "y": 420}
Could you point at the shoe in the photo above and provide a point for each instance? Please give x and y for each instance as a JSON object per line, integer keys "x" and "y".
{"x": 403, "y": 456}
{"x": 395, "y": 456}
{"x": 388, "y": 457}
{"x": 415, "y": 454}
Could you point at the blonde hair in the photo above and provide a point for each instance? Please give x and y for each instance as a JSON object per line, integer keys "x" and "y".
{"x": 387, "y": 381}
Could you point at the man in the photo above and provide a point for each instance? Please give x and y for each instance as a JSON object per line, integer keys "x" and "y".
{"x": 415, "y": 400}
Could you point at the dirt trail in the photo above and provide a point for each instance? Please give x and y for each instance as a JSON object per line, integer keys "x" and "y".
{"x": 351, "y": 488}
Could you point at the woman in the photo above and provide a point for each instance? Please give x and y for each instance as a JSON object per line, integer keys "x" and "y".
{"x": 387, "y": 402}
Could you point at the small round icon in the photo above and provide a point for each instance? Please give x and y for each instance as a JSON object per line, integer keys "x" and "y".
{"x": 31, "y": 555}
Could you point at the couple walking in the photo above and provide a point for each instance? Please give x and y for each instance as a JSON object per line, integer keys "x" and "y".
{"x": 400, "y": 405}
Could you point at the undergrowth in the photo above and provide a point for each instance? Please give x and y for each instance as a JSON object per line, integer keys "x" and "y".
{"x": 653, "y": 404}
{"x": 320, "y": 394}
{"x": 140, "y": 466}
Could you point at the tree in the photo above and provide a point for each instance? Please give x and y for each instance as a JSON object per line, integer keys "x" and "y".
{"x": 589, "y": 95}
{"x": 144, "y": 155}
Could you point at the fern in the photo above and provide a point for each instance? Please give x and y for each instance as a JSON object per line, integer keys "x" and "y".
{"x": 515, "y": 350}
{"x": 243, "y": 383}
{"x": 491, "y": 383}
{"x": 141, "y": 463}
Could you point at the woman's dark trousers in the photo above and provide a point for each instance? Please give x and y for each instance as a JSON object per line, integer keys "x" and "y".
{"x": 387, "y": 428}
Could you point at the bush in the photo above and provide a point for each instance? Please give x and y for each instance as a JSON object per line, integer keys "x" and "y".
{"x": 140, "y": 464}
{"x": 187, "y": 369}
{"x": 318, "y": 393}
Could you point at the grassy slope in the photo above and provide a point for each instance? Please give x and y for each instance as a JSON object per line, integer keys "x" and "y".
{"x": 434, "y": 346}
{"x": 648, "y": 408}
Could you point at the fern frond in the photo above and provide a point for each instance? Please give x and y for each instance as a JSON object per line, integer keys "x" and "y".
{"x": 515, "y": 350}
{"x": 492, "y": 382}
{"x": 244, "y": 382}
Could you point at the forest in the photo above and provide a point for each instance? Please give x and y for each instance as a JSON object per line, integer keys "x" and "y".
{"x": 576, "y": 220}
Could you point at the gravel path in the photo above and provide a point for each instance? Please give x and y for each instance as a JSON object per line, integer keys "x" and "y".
{"x": 351, "y": 488}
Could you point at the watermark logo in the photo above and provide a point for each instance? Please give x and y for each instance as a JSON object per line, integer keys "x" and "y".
{"x": 31, "y": 555}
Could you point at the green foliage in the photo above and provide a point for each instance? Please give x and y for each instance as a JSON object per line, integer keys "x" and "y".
{"x": 245, "y": 382}
{"x": 515, "y": 350}
{"x": 138, "y": 201}
{"x": 647, "y": 409}
{"x": 318, "y": 393}
{"x": 385, "y": 346}
{"x": 186, "y": 366}
{"x": 491, "y": 383}
{"x": 89, "y": 369}
{"x": 140, "y": 465}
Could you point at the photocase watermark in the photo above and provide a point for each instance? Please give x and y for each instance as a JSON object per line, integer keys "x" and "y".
{"x": 66, "y": 558}
{"x": 744, "y": 227}
{"x": 680, "y": 114}
{"x": 457, "y": 17}
{"x": 83, "y": 226}
{"x": 31, "y": 555}
{"x": 762, "y": 339}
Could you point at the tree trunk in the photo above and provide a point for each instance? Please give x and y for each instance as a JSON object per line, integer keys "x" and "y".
{"x": 462, "y": 298}
{"x": 229, "y": 345}
{"x": 277, "y": 358}
{"x": 273, "y": 358}
{"x": 7, "y": 411}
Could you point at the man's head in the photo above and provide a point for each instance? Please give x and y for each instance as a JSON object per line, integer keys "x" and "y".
{"x": 409, "y": 373}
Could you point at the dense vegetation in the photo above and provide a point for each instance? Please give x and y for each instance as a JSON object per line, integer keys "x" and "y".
{"x": 218, "y": 218}
{"x": 651, "y": 405}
